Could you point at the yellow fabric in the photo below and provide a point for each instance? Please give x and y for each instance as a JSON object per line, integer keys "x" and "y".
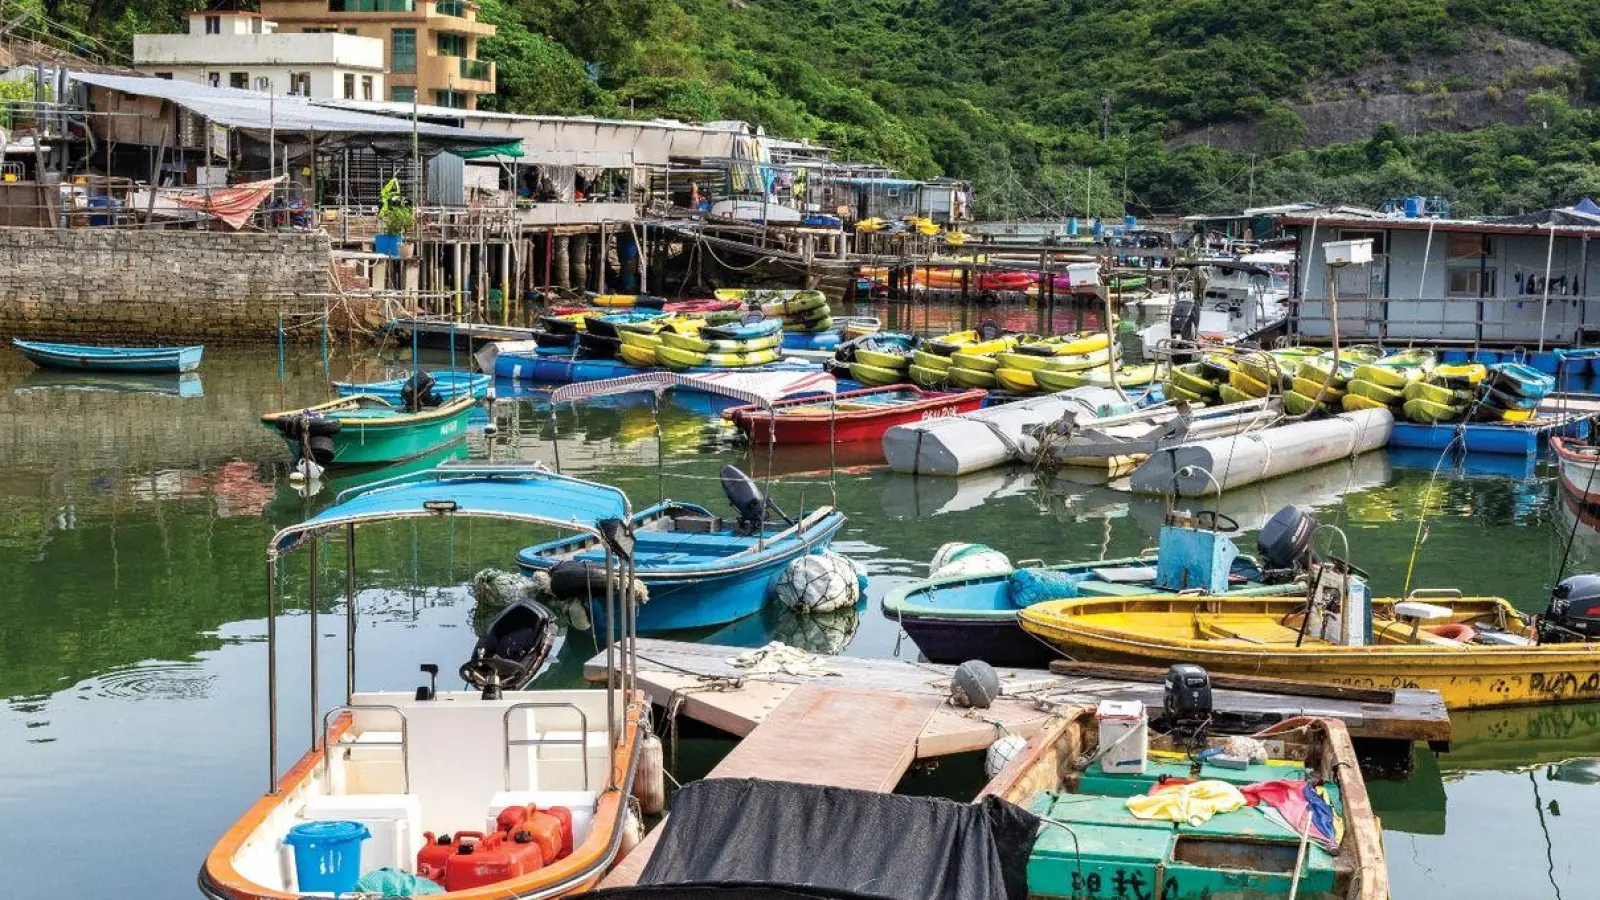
{"x": 1193, "y": 803}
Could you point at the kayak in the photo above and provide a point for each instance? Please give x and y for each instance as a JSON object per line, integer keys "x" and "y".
{"x": 1075, "y": 361}
{"x": 742, "y": 331}
{"x": 927, "y": 377}
{"x": 1428, "y": 412}
{"x": 876, "y": 375}
{"x": 1247, "y": 385}
{"x": 896, "y": 361}
{"x": 635, "y": 355}
{"x": 1371, "y": 390}
{"x": 973, "y": 378}
{"x": 674, "y": 358}
{"x": 1396, "y": 370}
{"x": 696, "y": 344}
{"x": 1017, "y": 381}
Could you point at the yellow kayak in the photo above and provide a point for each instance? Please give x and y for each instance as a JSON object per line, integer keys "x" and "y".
{"x": 696, "y": 344}
{"x": 1310, "y": 387}
{"x": 635, "y": 355}
{"x": 1231, "y": 394}
{"x": 928, "y": 360}
{"x": 1127, "y": 376}
{"x": 1378, "y": 392}
{"x": 1262, "y": 636}
{"x": 1051, "y": 380}
{"x": 674, "y": 358}
{"x": 1459, "y": 375}
{"x": 1066, "y": 344}
{"x": 928, "y": 377}
{"x": 1174, "y": 392}
{"x": 1017, "y": 381}
{"x": 1191, "y": 378}
{"x": 1298, "y": 404}
{"x": 640, "y": 340}
{"x": 876, "y": 375}
{"x": 1074, "y": 361}
{"x": 972, "y": 378}
{"x": 1242, "y": 382}
{"x": 1436, "y": 393}
{"x": 880, "y": 360}
{"x": 1353, "y": 402}
{"x": 1428, "y": 412}
{"x": 981, "y": 361}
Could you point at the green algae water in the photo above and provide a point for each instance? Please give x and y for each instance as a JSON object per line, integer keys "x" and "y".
{"x": 134, "y": 516}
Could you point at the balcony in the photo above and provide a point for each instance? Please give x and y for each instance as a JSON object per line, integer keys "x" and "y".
{"x": 454, "y": 8}
{"x": 371, "y": 6}
{"x": 477, "y": 70}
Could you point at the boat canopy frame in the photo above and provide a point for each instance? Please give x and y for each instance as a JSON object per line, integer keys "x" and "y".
{"x": 605, "y": 515}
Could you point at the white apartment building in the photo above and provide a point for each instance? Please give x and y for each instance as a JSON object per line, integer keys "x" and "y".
{"x": 244, "y": 50}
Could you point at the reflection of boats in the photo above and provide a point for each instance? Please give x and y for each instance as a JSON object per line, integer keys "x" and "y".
{"x": 919, "y": 496}
{"x": 1253, "y": 504}
{"x": 183, "y": 385}
{"x": 961, "y": 617}
{"x": 696, "y": 570}
{"x": 295, "y": 502}
{"x": 1475, "y": 651}
{"x": 362, "y": 430}
{"x": 1415, "y": 804}
{"x": 447, "y": 385}
{"x": 85, "y": 358}
{"x": 1523, "y": 736}
{"x": 862, "y": 415}
{"x": 390, "y": 765}
{"x": 1062, "y": 774}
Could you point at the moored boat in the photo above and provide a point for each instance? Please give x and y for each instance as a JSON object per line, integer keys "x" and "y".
{"x": 386, "y": 770}
{"x": 1579, "y": 465}
{"x": 85, "y": 358}
{"x": 850, "y": 416}
{"x": 366, "y": 430}
{"x": 447, "y": 384}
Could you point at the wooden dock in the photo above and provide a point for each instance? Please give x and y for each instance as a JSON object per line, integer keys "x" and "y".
{"x": 713, "y": 691}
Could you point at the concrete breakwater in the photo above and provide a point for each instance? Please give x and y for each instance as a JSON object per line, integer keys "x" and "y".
{"x": 161, "y": 286}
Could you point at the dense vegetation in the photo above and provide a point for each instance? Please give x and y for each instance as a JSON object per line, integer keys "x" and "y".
{"x": 1024, "y": 97}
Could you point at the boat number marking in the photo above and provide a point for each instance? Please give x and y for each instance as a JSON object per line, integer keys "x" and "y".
{"x": 943, "y": 413}
{"x": 1563, "y": 683}
{"x": 1124, "y": 886}
{"x": 449, "y": 428}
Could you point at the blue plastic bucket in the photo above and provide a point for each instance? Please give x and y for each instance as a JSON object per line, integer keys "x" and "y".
{"x": 327, "y": 855}
{"x": 387, "y": 244}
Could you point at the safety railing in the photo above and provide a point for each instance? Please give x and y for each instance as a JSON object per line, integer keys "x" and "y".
{"x": 582, "y": 740}
{"x": 1521, "y": 320}
{"x": 327, "y": 746}
{"x": 475, "y": 69}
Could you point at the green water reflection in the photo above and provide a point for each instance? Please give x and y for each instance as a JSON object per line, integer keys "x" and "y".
{"x": 132, "y": 525}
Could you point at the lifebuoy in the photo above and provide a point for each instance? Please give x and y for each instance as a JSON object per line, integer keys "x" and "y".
{"x": 1455, "y": 631}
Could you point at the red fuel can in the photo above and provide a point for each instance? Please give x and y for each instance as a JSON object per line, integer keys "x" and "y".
{"x": 491, "y": 860}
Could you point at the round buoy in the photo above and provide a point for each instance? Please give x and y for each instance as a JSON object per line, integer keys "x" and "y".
{"x": 491, "y": 429}
{"x": 819, "y": 583}
{"x": 1002, "y": 752}
{"x": 975, "y": 684}
{"x": 961, "y": 558}
{"x": 650, "y": 782}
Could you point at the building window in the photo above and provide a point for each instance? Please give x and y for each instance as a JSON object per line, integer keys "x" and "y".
{"x": 215, "y": 78}
{"x": 350, "y": 6}
{"x": 1470, "y": 246}
{"x": 354, "y": 31}
{"x": 263, "y": 84}
{"x": 255, "y": 25}
{"x": 403, "y": 94}
{"x": 452, "y": 44}
{"x": 300, "y": 84}
{"x": 403, "y": 50}
{"x": 213, "y": 24}
{"x": 240, "y": 80}
{"x": 349, "y": 86}
{"x": 451, "y": 99}
{"x": 366, "y": 87}
{"x": 1465, "y": 281}
{"x": 164, "y": 75}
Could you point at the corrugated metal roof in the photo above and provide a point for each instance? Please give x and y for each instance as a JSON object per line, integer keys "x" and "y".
{"x": 259, "y": 112}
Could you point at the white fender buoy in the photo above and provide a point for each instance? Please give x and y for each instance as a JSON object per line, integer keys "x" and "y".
{"x": 650, "y": 782}
{"x": 961, "y": 558}
{"x": 632, "y": 828}
{"x": 819, "y": 583}
{"x": 1001, "y": 752}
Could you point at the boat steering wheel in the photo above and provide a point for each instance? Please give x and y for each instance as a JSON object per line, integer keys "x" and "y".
{"x": 1212, "y": 520}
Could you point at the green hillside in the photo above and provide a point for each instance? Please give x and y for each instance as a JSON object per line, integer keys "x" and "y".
{"x": 1491, "y": 97}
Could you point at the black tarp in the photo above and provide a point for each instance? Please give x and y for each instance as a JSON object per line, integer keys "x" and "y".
{"x": 748, "y": 839}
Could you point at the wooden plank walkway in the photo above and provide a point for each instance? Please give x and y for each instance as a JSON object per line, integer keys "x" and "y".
{"x": 818, "y": 735}
{"x": 732, "y": 699}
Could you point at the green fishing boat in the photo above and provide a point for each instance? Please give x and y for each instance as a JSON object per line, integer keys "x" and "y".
{"x": 365, "y": 430}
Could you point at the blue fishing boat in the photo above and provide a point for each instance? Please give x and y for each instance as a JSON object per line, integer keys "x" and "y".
{"x": 958, "y": 617}
{"x": 447, "y": 384}
{"x": 84, "y": 358}
{"x": 697, "y": 569}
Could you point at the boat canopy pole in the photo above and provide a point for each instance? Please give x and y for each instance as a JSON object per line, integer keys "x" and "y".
{"x": 272, "y": 678}
{"x": 1544, "y": 308}
{"x": 311, "y": 603}
{"x": 349, "y": 613}
{"x": 611, "y": 670}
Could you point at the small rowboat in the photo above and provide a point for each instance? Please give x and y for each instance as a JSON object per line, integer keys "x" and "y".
{"x": 365, "y": 430}
{"x": 862, "y": 415}
{"x": 1579, "y": 464}
{"x": 84, "y": 358}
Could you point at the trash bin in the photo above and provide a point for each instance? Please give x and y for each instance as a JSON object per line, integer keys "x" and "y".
{"x": 327, "y": 855}
{"x": 387, "y": 244}
{"x": 104, "y": 203}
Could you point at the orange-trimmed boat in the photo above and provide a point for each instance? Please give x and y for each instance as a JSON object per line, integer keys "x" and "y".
{"x": 397, "y": 768}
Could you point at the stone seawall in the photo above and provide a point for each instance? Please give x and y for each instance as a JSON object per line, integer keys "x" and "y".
{"x": 156, "y": 285}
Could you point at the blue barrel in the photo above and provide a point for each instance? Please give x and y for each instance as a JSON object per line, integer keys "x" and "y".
{"x": 1098, "y": 228}
{"x": 1072, "y": 226}
{"x": 107, "y": 203}
{"x": 1130, "y": 221}
{"x": 327, "y": 855}
{"x": 1413, "y": 207}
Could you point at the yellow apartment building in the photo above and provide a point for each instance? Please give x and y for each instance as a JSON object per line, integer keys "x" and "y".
{"x": 431, "y": 45}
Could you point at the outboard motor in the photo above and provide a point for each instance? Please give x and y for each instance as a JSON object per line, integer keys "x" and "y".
{"x": 1284, "y": 543}
{"x": 417, "y": 393}
{"x": 747, "y": 500}
{"x": 1184, "y": 321}
{"x": 1574, "y": 612}
{"x": 1186, "y": 703}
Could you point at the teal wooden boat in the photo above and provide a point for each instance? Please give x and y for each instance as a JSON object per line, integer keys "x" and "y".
{"x": 365, "y": 430}
{"x": 84, "y": 358}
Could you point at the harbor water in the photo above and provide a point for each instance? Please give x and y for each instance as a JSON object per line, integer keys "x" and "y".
{"x": 134, "y": 516}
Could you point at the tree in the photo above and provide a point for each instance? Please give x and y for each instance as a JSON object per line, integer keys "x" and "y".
{"x": 1281, "y": 129}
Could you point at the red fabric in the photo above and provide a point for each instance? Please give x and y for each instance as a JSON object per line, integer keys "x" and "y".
{"x": 233, "y": 205}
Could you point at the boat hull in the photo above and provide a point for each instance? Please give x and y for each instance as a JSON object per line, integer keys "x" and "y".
{"x": 377, "y": 441}
{"x": 448, "y": 385}
{"x": 1466, "y": 676}
{"x": 838, "y": 422}
{"x": 1580, "y": 471}
{"x": 82, "y": 358}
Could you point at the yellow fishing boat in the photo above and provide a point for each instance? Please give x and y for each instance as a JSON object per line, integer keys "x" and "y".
{"x": 1475, "y": 651}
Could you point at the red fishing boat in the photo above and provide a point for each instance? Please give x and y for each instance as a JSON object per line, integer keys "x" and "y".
{"x": 862, "y": 415}
{"x": 1580, "y": 468}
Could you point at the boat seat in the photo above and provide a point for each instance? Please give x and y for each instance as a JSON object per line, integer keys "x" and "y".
{"x": 395, "y": 821}
{"x": 561, "y": 765}
{"x": 368, "y": 763}
{"x": 1255, "y": 633}
{"x": 582, "y": 804}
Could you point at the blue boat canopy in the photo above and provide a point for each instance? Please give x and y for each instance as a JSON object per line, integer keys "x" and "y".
{"x": 523, "y": 494}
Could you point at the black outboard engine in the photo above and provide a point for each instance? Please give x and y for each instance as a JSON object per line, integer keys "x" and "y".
{"x": 418, "y": 393}
{"x": 1185, "y": 320}
{"x": 747, "y": 500}
{"x": 1284, "y": 543}
{"x": 1186, "y": 703}
{"x": 1574, "y": 612}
